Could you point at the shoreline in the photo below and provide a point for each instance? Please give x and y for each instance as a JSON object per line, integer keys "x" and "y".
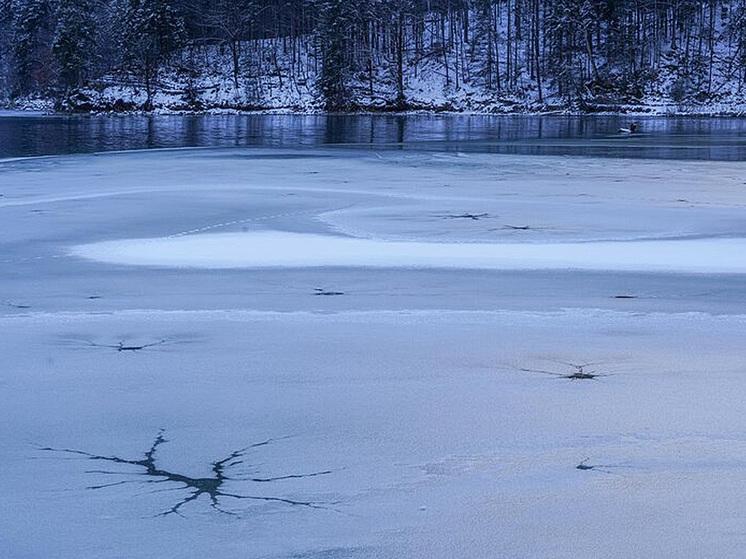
{"x": 672, "y": 110}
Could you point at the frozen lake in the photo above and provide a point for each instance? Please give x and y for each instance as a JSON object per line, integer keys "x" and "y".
{"x": 282, "y": 352}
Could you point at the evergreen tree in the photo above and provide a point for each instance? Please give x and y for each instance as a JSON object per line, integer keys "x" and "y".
{"x": 75, "y": 41}
{"x": 31, "y": 23}
{"x": 6, "y": 22}
{"x": 150, "y": 31}
{"x": 483, "y": 45}
{"x": 398, "y": 14}
{"x": 335, "y": 18}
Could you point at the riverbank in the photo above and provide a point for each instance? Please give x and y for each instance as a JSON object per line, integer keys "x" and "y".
{"x": 179, "y": 100}
{"x": 118, "y": 107}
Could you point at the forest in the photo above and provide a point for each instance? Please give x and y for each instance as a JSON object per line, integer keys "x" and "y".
{"x": 341, "y": 55}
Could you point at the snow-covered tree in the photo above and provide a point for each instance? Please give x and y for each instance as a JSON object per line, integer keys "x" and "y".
{"x": 486, "y": 66}
{"x": 569, "y": 51}
{"x": 335, "y": 21}
{"x": 32, "y": 24}
{"x": 74, "y": 44}
{"x": 228, "y": 22}
{"x": 150, "y": 31}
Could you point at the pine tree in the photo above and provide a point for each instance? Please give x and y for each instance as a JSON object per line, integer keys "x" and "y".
{"x": 31, "y": 23}
{"x": 150, "y": 31}
{"x": 6, "y": 22}
{"x": 483, "y": 43}
{"x": 334, "y": 20}
{"x": 398, "y": 13}
{"x": 75, "y": 41}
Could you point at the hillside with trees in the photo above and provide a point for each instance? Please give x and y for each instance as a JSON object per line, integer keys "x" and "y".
{"x": 306, "y": 55}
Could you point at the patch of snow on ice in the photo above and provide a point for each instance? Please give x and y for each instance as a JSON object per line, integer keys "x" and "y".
{"x": 272, "y": 249}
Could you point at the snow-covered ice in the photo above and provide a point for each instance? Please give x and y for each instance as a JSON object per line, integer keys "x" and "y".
{"x": 267, "y": 249}
{"x": 317, "y": 402}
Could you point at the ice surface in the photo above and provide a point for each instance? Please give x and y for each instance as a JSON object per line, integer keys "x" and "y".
{"x": 7, "y": 113}
{"x": 437, "y": 399}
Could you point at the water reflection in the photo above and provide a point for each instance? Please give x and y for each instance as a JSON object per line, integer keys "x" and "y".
{"x": 670, "y": 138}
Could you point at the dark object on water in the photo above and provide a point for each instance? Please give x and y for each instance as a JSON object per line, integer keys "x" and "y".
{"x": 580, "y": 372}
{"x": 122, "y": 346}
{"x": 324, "y": 292}
{"x": 475, "y": 217}
{"x": 633, "y": 128}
